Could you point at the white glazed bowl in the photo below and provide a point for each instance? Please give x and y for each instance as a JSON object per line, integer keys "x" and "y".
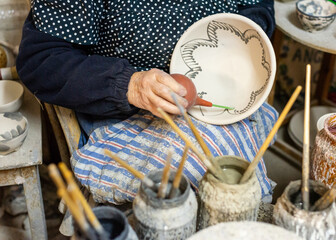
{"x": 11, "y": 96}
{"x": 315, "y": 14}
{"x": 13, "y": 131}
{"x": 231, "y": 61}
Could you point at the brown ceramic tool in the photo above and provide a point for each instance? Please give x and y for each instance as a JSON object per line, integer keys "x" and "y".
{"x": 192, "y": 97}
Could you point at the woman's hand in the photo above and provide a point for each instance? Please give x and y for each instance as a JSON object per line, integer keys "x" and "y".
{"x": 152, "y": 89}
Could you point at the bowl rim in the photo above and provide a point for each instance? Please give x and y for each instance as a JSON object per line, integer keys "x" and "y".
{"x": 16, "y": 99}
{"x": 310, "y": 15}
{"x": 268, "y": 47}
{"x": 21, "y": 135}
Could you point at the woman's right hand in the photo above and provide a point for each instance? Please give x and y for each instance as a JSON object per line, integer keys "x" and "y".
{"x": 152, "y": 89}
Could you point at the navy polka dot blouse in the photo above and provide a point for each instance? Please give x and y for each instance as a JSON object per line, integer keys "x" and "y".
{"x": 81, "y": 54}
{"x": 142, "y": 31}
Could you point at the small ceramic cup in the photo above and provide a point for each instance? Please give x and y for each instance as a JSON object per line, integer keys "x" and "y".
{"x": 315, "y": 14}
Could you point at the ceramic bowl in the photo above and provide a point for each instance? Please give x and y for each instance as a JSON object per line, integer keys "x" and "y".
{"x": 11, "y": 96}
{"x": 232, "y": 63}
{"x": 13, "y": 131}
{"x": 315, "y": 14}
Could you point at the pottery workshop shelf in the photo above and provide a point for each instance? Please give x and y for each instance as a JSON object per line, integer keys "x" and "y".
{"x": 21, "y": 167}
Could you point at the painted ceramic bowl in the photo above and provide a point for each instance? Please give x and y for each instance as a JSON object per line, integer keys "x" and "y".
{"x": 13, "y": 131}
{"x": 315, "y": 14}
{"x": 11, "y": 96}
{"x": 232, "y": 63}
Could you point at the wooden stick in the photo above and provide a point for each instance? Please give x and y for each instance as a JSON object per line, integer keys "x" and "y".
{"x": 135, "y": 172}
{"x": 178, "y": 176}
{"x": 76, "y": 194}
{"x": 73, "y": 208}
{"x": 165, "y": 177}
{"x": 270, "y": 136}
{"x": 306, "y": 128}
{"x": 192, "y": 127}
{"x": 215, "y": 171}
{"x": 324, "y": 202}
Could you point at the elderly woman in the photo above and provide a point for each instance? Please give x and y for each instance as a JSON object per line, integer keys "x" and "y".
{"x": 106, "y": 59}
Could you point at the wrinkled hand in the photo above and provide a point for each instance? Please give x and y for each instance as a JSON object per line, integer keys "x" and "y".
{"x": 152, "y": 89}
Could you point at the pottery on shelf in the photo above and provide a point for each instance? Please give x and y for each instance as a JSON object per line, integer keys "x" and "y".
{"x": 231, "y": 61}
{"x": 13, "y": 131}
{"x": 11, "y": 96}
{"x": 315, "y": 15}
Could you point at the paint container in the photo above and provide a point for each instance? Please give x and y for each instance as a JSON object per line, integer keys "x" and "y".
{"x": 230, "y": 201}
{"x": 114, "y": 223}
{"x": 165, "y": 218}
{"x": 310, "y": 225}
{"x": 323, "y": 165}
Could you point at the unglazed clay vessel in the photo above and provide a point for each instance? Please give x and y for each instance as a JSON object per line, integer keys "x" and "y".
{"x": 114, "y": 223}
{"x": 315, "y": 14}
{"x": 167, "y": 219}
{"x": 231, "y": 61}
{"x": 310, "y": 225}
{"x": 230, "y": 201}
{"x": 192, "y": 97}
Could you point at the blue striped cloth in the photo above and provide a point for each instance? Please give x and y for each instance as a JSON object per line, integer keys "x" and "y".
{"x": 144, "y": 140}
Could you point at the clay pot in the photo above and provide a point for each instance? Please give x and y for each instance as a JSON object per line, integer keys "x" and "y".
{"x": 113, "y": 221}
{"x": 192, "y": 97}
{"x": 323, "y": 167}
{"x": 225, "y": 202}
{"x": 288, "y": 213}
{"x": 165, "y": 218}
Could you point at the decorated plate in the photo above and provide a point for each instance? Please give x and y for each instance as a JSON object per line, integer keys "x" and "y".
{"x": 231, "y": 62}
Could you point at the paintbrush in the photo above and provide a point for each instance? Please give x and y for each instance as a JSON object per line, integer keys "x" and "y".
{"x": 77, "y": 195}
{"x": 72, "y": 206}
{"x": 147, "y": 181}
{"x": 217, "y": 172}
{"x": 178, "y": 176}
{"x": 192, "y": 127}
{"x": 305, "y": 160}
{"x": 270, "y": 136}
{"x": 165, "y": 177}
{"x": 324, "y": 202}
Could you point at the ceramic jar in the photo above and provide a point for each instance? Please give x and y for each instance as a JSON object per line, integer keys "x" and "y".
{"x": 114, "y": 223}
{"x": 310, "y": 225}
{"x": 224, "y": 202}
{"x": 323, "y": 165}
{"x": 156, "y": 218}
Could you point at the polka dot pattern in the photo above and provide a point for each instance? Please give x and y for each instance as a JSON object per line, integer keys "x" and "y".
{"x": 141, "y": 31}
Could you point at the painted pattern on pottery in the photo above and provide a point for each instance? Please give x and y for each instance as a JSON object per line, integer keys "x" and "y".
{"x": 187, "y": 53}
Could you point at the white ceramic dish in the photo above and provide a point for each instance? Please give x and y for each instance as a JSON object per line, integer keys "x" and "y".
{"x": 295, "y": 127}
{"x": 232, "y": 63}
{"x": 11, "y": 96}
{"x": 13, "y": 131}
{"x": 315, "y": 14}
{"x": 243, "y": 231}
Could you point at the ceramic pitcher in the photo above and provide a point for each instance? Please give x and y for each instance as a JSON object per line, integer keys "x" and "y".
{"x": 323, "y": 161}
